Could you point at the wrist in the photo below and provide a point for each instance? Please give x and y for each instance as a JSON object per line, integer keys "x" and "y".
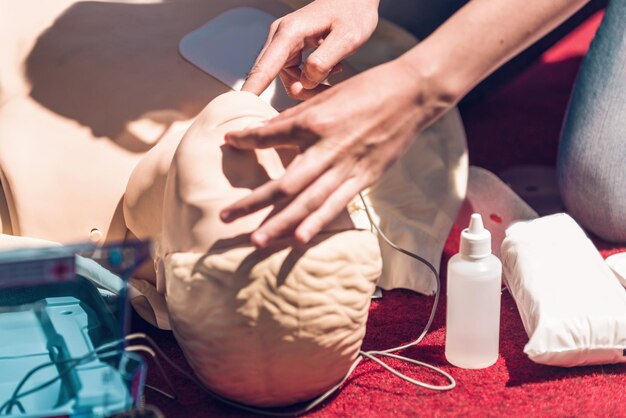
{"x": 427, "y": 85}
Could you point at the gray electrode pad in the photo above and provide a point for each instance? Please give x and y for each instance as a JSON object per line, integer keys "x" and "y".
{"x": 227, "y": 46}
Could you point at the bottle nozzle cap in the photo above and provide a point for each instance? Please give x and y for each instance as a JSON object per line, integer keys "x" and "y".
{"x": 476, "y": 224}
{"x": 476, "y": 240}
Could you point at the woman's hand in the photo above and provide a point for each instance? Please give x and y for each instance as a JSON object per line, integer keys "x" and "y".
{"x": 334, "y": 28}
{"x": 348, "y": 135}
{"x": 351, "y": 132}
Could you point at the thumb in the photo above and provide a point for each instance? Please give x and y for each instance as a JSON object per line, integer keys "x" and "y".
{"x": 317, "y": 67}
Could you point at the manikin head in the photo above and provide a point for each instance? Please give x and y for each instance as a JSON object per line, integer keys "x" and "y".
{"x": 265, "y": 327}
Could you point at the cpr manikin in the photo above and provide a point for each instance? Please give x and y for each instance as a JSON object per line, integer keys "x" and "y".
{"x": 265, "y": 327}
{"x": 92, "y": 92}
{"x": 83, "y": 100}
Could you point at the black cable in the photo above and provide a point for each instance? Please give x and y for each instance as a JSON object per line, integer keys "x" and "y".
{"x": 74, "y": 363}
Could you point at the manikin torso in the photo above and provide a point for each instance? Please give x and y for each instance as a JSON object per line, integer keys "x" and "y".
{"x": 95, "y": 76}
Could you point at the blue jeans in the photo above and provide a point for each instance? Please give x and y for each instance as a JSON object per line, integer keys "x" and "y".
{"x": 591, "y": 163}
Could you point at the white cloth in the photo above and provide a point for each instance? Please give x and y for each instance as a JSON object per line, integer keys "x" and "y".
{"x": 572, "y": 305}
{"x": 617, "y": 262}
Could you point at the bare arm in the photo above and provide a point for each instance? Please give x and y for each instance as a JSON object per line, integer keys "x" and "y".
{"x": 482, "y": 36}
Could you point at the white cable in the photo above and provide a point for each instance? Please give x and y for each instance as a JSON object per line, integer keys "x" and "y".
{"x": 143, "y": 348}
{"x": 370, "y": 355}
{"x": 150, "y": 351}
{"x": 387, "y": 353}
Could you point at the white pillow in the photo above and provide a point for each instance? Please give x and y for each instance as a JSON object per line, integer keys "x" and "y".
{"x": 617, "y": 262}
{"x": 572, "y": 305}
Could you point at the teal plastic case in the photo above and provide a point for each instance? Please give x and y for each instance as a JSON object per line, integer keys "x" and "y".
{"x": 63, "y": 318}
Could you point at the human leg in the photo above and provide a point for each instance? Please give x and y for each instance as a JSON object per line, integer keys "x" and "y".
{"x": 592, "y": 154}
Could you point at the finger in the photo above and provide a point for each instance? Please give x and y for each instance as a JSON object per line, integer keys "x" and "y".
{"x": 328, "y": 211}
{"x": 300, "y": 108}
{"x": 292, "y": 71}
{"x": 295, "y": 61}
{"x": 270, "y": 36}
{"x": 277, "y": 53}
{"x": 290, "y": 77}
{"x": 301, "y": 172}
{"x": 336, "y": 69}
{"x": 306, "y": 203}
{"x": 260, "y": 198}
{"x": 275, "y": 133}
{"x": 337, "y": 45}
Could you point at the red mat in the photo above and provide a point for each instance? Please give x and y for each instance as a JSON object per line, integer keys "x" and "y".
{"x": 519, "y": 124}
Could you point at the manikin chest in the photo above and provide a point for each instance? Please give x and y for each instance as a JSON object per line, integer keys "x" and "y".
{"x": 86, "y": 89}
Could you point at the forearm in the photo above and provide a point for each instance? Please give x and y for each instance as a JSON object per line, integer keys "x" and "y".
{"x": 478, "y": 39}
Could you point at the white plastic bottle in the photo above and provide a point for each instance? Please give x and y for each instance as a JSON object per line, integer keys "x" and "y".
{"x": 473, "y": 303}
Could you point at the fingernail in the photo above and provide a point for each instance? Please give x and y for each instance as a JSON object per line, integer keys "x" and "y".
{"x": 232, "y": 142}
{"x": 257, "y": 124}
{"x": 307, "y": 83}
{"x": 304, "y": 236}
{"x": 229, "y": 215}
{"x": 259, "y": 239}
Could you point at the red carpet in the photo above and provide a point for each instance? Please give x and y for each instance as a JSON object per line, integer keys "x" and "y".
{"x": 517, "y": 125}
